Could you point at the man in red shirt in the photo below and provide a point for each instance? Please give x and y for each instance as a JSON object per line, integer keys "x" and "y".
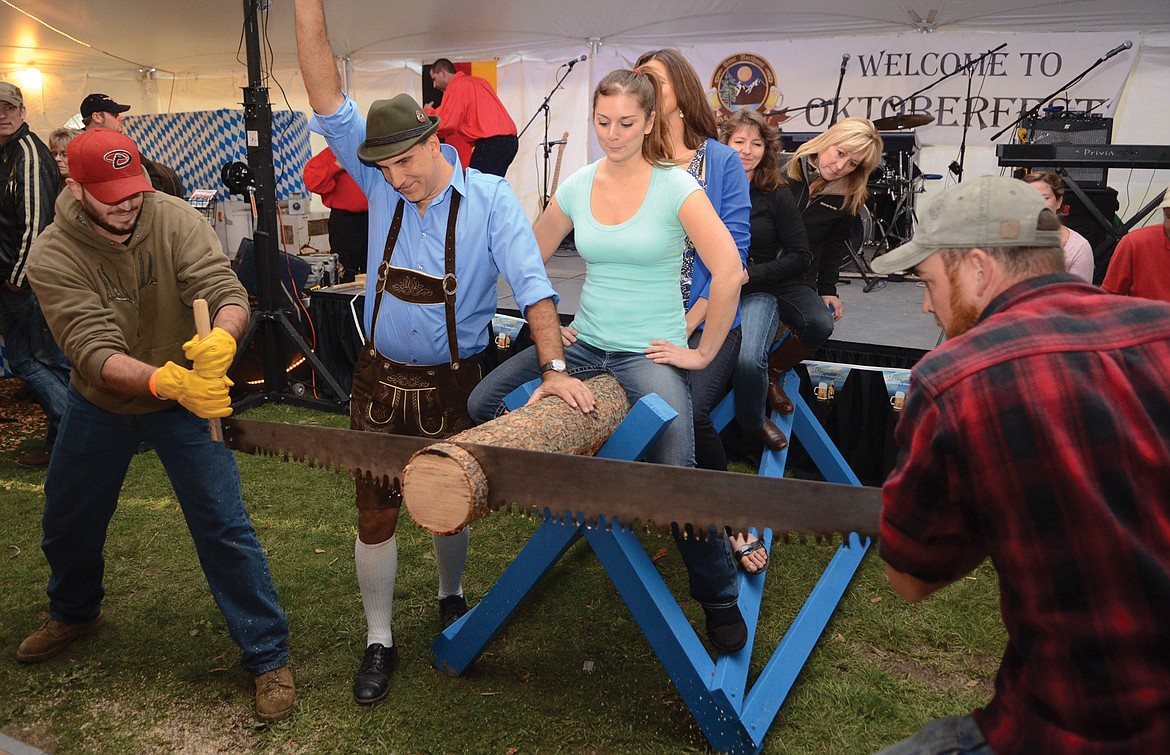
{"x": 1141, "y": 262}
{"x": 473, "y": 120}
{"x": 1037, "y": 436}
{"x": 349, "y": 212}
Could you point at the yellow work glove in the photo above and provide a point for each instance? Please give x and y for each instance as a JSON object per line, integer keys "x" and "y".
{"x": 211, "y": 356}
{"x": 204, "y": 397}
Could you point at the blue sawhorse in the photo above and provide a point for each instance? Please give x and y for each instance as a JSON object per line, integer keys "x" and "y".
{"x": 732, "y": 717}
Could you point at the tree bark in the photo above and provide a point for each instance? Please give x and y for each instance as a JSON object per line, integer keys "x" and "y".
{"x": 445, "y": 489}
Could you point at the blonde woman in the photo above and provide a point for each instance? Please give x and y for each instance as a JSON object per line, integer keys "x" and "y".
{"x": 827, "y": 176}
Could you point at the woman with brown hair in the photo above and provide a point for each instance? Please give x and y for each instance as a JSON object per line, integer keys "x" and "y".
{"x": 827, "y": 177}
{"x": 692, "y": 143}
{"x": 778, "y": 261}
{"x": 1078, "y": 252}
{"x": 629, "y": 213}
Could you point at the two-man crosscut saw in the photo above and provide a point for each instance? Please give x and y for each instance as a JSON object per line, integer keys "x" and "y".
{"x": 589, "y": 490}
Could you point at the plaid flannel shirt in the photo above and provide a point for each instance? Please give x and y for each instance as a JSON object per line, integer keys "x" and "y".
{"x": 1042, "y": 438}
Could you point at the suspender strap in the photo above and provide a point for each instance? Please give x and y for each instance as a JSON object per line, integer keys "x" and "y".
{"x": 391, "y": 240}
{"x": 450, "y": 282}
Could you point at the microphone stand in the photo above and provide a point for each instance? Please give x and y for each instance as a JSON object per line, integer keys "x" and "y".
{"x": 956, "y": 167}
{"x": 903, "y": 100}
{"x": 543, "y": 108}
{"x": 804, "y": 109}
{"x": 837, "y": 94}
{"x": 1032, "y": 110}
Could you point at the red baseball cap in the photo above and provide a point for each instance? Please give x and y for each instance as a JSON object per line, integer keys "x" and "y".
{"x": 107, "y": 164}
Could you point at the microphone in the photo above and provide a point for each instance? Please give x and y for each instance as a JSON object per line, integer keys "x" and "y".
{"x": 844, "y": 61}
{"x": 1119, "y": 49}
{"x": 575, "y": 61}
{"x": 558, "y": 141}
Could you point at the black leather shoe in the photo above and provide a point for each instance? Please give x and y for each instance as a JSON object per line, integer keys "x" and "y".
{"x": 772, "y": 436}
{"x": 726, "y": 628}
{"x": 450, "y": 609}
{"x": 372, "y": 682}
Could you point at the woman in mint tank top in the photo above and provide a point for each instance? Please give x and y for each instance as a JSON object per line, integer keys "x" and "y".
{"x": 630, "y": 212}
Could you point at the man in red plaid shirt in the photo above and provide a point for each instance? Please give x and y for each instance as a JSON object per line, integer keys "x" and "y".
{"x": 1038, "y": 436}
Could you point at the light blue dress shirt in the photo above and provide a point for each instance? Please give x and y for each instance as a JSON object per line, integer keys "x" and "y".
{"x": 493, "y": 237}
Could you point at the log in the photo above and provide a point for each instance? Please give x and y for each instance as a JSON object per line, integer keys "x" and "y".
{"x": 445, "y": 489}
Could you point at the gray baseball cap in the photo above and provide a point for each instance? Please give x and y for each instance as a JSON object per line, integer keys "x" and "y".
{"x": 987, "y": 213}
{"x": 11, "y": 94}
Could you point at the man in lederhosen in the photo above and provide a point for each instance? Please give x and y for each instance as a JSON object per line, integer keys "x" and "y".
{"x": 439, "y": 239}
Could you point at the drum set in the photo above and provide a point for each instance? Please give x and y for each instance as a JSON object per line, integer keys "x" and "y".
{"x": 895, "y": 182}
{"x": 887, "y": 220}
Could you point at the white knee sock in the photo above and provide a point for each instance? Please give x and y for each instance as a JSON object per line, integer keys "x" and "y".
{"x": 377, "y": 568}
{"x": 450, "y": 556}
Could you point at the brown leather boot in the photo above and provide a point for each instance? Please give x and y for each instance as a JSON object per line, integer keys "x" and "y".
{"x": 790, "y": 353}
{"x": 772, "y": 436}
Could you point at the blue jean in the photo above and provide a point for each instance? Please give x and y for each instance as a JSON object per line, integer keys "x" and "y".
{"x": 84, "y": 479}
{"x": 34, "y": 355}
{"x": 801, "y": 309}
{"x": 953, "y": 735}
{"x": 712, "y": 577}
{"x": 707, "y": 387}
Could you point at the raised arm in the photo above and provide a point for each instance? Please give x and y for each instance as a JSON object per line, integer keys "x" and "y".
{"x": 318, "y": 67}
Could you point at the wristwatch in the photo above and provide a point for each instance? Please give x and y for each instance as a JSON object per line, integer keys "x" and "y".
{"x": 553, "y": 365}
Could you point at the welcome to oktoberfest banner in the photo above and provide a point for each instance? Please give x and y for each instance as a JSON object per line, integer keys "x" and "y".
{"x": 884, "y": 70}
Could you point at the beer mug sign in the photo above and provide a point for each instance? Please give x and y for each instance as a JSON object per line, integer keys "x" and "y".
{"x": 898, "y": 400}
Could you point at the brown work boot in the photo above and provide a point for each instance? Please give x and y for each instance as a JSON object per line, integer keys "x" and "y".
{"x": 53, "y": 637}
{"x": 787, "y": 355}
{"x": 275, "y": 694}
{"x": 34, "y": 459}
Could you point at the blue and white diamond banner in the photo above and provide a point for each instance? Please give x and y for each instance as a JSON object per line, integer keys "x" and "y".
{"x": 198, "y": 145}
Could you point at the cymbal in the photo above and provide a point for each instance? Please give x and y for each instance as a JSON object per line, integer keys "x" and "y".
{"x": 895, "y": 122}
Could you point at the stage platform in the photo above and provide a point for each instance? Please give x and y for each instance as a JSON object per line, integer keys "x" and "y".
{"x": 890, "y": 315}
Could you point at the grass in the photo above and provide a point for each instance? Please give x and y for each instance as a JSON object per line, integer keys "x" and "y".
{"x": 163, "y": 676}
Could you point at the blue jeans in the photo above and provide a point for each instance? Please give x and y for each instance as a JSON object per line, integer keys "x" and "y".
{"x": 84, "y": 479}
{"x": 638, "y": 376}
{"x": 760, "y": 316}
{"x": 34, "y": 355}
{"x": 953, "y": 735}
{"x": 712, "y": 575}
{"x": 707, "y": 387}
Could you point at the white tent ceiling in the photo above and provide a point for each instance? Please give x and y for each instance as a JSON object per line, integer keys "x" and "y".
{"x": 81, "y": 46}
{"x": 104, "y": 36}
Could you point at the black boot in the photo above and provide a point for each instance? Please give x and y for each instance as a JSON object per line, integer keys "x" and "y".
{"x": 787, "y": 355}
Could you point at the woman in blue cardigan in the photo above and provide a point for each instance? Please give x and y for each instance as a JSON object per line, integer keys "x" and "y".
{"x": 692, "y": 140}
{"x": 693, "y": 143}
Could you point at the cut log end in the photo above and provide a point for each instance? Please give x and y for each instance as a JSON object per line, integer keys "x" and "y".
{"x": 444, "y": 489}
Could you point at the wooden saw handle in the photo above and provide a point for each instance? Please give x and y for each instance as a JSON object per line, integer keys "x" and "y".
{"x": 203, "y": 328}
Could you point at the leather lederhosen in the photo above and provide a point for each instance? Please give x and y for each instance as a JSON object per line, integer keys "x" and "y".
{"x": 426, "y": 401}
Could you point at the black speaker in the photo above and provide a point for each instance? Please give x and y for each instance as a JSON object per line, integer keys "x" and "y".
{"x": 1081, "y": 220}
{"x": 1073, "y": 128}
{"x": 293, "y": 270}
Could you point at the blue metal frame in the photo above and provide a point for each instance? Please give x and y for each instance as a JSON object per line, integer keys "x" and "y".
{"x": 732, "y": 717}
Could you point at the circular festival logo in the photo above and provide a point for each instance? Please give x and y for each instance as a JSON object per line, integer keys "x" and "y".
{"x": 744, "y": 80}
